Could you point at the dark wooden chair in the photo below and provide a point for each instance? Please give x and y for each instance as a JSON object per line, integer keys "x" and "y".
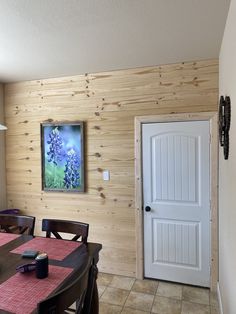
{"x": 12, "y": 211}
{"x": 19, "y": 224}
{"x": 54, "y": 226}
{"x": 63, "y": 299}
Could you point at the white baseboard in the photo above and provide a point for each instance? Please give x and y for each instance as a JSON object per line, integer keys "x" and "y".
{"x": 219, "y": 298}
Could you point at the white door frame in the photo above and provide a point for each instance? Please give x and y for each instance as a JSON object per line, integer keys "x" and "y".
{"x": 212, "y": 117}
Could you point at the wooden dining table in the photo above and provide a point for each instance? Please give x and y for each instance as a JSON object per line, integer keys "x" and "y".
{"x": 62, "y": 270}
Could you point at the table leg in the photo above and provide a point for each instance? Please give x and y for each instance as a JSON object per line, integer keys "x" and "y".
{"x": 95, "y": 301}
{"x": 91, "y": 303}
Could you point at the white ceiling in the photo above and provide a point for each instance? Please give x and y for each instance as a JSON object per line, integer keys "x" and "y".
{"x": 52, "y": 38}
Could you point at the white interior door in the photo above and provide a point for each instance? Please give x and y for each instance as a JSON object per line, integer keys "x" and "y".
{"x": 176, "y": 184}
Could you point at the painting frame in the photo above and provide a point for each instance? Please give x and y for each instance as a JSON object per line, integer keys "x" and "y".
{"x": 62, "y": 157}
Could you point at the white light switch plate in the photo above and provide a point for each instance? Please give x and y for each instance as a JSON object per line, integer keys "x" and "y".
{"x": 106, "y": 175}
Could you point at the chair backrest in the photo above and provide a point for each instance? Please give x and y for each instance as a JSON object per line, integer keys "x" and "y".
{"x": 54, "y": 226}
{"x": 19, "y": 224}
{"x": 12, "y": 211}
{"x": 73, "y": 292}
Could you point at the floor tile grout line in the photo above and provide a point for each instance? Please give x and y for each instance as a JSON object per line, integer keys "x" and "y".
{"x": 193, "y": 302}
{"x": 125, "y": 302}
{"x": 182, "y": 292}
{"x": 108, "y": 286}
{"x": 102, "y": 292}
{"x": 153, "y": 302}
{"x": 155, "y": 295}
{"x": 196, "y": 302}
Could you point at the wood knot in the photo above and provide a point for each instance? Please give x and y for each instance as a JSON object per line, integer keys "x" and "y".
{"x": 102, "y": 195}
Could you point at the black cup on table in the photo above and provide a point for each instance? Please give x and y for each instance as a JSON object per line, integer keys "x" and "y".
{"x": 41, "y": 265}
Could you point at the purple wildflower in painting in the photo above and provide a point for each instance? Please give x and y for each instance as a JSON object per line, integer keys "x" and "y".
{"x": 55, "y": 146}
{"x": 72, "y": 177}
{"x": 63, "y": 157}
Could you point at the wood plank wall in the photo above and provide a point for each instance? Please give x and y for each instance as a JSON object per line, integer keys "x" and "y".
{"x": 2, "y": 153}
{"x": 108, "y": 103}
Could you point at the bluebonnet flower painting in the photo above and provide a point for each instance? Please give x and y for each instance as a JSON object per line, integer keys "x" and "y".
{"x": 71, "y": 179}
{"x": 62, "y": 157}
{"x": 55, "y": 146}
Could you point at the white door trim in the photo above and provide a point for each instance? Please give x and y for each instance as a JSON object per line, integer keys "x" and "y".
{"x": 212, "y": 117}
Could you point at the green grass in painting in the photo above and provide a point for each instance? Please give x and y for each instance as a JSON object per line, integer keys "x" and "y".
{"x": 54, "y": 176}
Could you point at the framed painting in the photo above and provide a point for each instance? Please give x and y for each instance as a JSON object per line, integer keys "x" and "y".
{"x": 62, "y": 152}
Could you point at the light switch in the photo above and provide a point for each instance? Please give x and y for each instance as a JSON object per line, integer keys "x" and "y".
{"x": 106, "y": 175}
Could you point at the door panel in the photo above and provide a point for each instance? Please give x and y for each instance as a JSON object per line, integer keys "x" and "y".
{"x": 173, "y": 161}
{"x": 175, "y": 242}
{"x": 176, "y": 187}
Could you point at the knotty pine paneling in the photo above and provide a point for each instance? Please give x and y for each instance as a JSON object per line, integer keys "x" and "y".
{"x": 2, "y": 153}
{"x": 108, "y": 103}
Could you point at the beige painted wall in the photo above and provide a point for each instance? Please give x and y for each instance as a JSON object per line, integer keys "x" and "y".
{"x": 227, "y": 172}
{"x": 2, "y": 154}
{"x": 108, "y": 103}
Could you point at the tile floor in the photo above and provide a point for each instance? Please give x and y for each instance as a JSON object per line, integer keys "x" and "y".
{"x": 126, "y": 295}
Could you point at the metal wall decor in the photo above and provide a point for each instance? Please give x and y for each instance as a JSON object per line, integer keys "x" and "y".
{"x": 224, "y": 123}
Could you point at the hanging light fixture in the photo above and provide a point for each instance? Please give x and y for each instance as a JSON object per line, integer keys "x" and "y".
{"x": 2, "y": 127}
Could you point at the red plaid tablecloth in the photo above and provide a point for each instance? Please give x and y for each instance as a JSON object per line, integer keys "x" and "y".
{"x": 7, "y": 237}
{"x": 21, "y": 293}
{"x": 56, "y": 249}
